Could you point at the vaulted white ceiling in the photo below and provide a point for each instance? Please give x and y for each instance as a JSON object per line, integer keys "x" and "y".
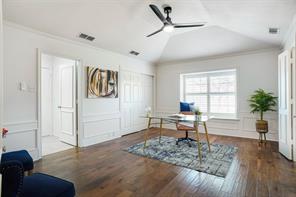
{"x": 122, "y": 25}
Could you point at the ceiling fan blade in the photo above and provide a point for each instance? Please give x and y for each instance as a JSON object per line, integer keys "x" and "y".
{"x": 188, "y": 25}
{"x": 158, "y": 13}
{"x": 155, "y": 32}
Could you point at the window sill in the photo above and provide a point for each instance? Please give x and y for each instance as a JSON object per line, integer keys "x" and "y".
{"x": 227, "y": 119}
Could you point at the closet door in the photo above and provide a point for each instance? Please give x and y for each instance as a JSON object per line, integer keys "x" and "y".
{"x": 138, "y": 101}
{"x": 143, "y": 93}
{"x": 136, "y": 95}
{"x": 285, "y": 104}
{"x": 126, "y": 102}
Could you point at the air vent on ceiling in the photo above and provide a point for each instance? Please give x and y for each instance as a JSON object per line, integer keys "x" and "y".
{"x": 86, "y": 37}
{"x": 134, "y": 53}
{"x": 273, "y": 30}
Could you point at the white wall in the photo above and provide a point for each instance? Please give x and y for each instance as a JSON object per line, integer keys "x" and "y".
{"x": 290, "y": 39}
{"x": 254, "y": 70}
{"x": 20, "y": 107}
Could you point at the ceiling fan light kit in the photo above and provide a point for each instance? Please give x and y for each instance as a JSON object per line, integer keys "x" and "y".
{"x": 168, "y": 25}
{"x": 168, "y": 28}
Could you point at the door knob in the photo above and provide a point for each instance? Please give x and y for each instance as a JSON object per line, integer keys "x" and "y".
{"x": 59, "y": 107}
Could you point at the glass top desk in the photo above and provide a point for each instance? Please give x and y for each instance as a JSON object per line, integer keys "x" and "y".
{"x": 174, "y": 119}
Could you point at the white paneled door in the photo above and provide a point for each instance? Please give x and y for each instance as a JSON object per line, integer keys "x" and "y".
{"x": 67, "y": 107}
{"x": 285, "y": 104}
{"x": 136, "y": 95}
{"x": 126, "y": 102}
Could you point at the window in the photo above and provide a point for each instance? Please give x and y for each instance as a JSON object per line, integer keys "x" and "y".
{"x": 213, "y": 92}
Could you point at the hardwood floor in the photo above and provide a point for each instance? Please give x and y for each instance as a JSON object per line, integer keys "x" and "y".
{"x": 106, "y": 170}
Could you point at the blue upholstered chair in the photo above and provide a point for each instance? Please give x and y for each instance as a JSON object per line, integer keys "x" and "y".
{"x": 22, "y": 156}
{"x": 15, "y": 184}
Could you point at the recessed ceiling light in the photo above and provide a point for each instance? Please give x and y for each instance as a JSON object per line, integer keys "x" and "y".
{"x": 274, "y": 30}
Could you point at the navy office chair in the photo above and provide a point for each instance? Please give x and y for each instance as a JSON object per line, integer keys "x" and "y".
{"x": 185, "y": 109}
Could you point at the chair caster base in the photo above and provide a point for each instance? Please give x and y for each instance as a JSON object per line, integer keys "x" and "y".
{"x": 187, "y": 139}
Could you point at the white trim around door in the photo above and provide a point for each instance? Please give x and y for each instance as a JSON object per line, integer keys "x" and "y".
{"x": 77, "y": 101}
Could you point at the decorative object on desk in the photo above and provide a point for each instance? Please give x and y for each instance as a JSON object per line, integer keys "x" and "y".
{"x": 195, "y": 110}
{"x": 101, "y": 83}
{"x": 261, "y": 102}
{"x": 216, "y": 163}
{"x": 148, "y": 111}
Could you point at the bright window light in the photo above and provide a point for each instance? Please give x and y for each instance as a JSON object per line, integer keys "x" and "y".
{"x": 213, "y": 92}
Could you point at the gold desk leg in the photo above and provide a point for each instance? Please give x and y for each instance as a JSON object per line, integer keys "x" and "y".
{"x": 207, "y": 136}
{"x": 160, "y": 130}
{"x": 197, "y": 141}
{"x": 147, "y": 130}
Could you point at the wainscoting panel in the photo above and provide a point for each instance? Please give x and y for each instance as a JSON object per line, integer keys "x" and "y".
{"x": 244, "y": 126}
{"x": 22, "y": 135}
{"x": 99, "y": 128}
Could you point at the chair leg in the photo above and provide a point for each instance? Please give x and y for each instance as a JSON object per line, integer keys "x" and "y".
{"x": 186, "y": 135}
{"x": 187, "y": 139}
{"x": 188, "y": 142}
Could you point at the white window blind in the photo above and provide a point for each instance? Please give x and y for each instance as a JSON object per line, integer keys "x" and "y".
{"x": 213, "y": 92}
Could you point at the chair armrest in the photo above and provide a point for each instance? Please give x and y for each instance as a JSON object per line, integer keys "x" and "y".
{"x": 12, "y": 178}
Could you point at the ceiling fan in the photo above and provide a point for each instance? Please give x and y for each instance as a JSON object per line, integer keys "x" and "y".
{"x": 168, "y": 25}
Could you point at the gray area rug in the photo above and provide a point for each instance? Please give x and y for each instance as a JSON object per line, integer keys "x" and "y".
{"x": 216, "y": 163}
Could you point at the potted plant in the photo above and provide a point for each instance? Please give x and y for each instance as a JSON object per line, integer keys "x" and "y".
{"x": 196, "y": 111}
{"x": 261, "y": 102}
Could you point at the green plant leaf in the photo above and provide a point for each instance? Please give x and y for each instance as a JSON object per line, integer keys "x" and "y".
{"x": 262, "y": 101}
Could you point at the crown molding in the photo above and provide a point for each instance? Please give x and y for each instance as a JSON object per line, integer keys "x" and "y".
{"x": 228, "y": 55}
{"x": 69, "y": 41}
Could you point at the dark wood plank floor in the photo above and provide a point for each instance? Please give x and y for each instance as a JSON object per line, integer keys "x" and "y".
{"x": 106, "y": 170}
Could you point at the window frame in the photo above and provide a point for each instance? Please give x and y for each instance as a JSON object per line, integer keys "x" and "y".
{"x": 209, "y": 74}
